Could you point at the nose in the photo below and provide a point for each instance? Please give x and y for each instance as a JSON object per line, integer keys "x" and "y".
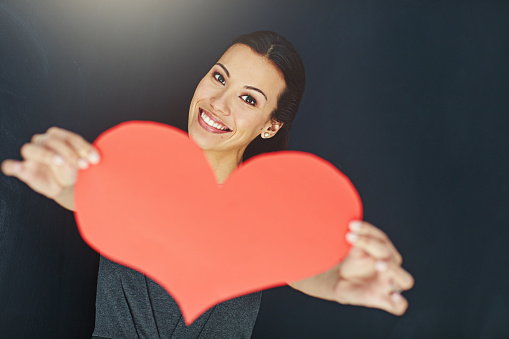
{"x": 220, "y": 102}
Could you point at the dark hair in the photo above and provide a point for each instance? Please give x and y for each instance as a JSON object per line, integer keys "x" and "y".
{"x": 287, "y": 59}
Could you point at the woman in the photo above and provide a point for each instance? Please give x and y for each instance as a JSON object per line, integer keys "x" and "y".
{"x": 244, "y": 106}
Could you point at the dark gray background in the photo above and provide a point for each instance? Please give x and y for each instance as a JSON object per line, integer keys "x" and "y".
{"x": 408, "y": 98}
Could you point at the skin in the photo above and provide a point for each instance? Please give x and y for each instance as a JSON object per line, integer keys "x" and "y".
{"x": 370, "y": 276}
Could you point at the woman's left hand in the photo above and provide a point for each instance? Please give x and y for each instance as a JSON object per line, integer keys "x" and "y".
{"x": 371, "y": 275}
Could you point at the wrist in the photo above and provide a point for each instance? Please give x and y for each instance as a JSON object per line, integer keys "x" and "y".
{"x": 66, "y": 198}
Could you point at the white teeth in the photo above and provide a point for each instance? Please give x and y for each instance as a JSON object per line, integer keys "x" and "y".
{"x": 212, "y": 123}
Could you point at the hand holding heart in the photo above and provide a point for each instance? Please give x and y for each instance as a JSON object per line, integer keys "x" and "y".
{"x": 369, "y": 276}
{"x": 51, "y": 162}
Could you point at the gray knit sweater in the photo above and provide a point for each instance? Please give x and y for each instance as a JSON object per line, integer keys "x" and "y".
{"x": 130, "y": 305}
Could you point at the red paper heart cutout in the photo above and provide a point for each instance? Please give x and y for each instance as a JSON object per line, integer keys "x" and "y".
{"x": 153, "y": 204}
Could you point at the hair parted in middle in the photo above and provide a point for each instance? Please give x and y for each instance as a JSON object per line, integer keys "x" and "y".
{"x": 283, "y": 54}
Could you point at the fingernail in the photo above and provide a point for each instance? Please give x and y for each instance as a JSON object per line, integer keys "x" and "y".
{"x": 356, "y": 225}
{"x": 381, "y": 266}
{"x": 82, "y": 163}
{"x": 93, "y": 157}
{"x": 58, "y": 160}
{"x": 351, "y": 237}
{"x": 396, "y": 297}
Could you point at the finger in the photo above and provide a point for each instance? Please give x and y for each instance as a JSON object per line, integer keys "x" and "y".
{"x": 38, "y": 139}
{"x": 82, "y": 147}
{"x": 64, "y": 171}
{"x": 372, "y": 246}
{"x": 367, "y": 229}
{"x": 397, "y": 277}
{"x": 374, "y": 297}
{"x": 11, "y": 167}
{"x": 358, "y": 264}
{"x": 42, "y": 154}
{"x": 35, "y": 174}
{"x": 59, "y": 147}
{"x": 393, "y": 303}
{"x": 398, "y": 304}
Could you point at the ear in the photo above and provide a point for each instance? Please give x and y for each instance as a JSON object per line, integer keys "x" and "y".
{"x": 271, "y": 128}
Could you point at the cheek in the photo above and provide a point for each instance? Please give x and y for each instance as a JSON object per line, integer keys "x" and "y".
{"x": 250, "y": 123}
{"x": 204, "y": 90}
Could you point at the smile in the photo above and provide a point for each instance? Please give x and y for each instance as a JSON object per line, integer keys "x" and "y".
{"x": 211, "y": 123}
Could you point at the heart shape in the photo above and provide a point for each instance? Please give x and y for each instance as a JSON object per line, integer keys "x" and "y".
{"x": 153, "y": 204}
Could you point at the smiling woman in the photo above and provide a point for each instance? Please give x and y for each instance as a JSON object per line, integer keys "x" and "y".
{"x": 230, "y": 108}
{"x": 244, "y": 105}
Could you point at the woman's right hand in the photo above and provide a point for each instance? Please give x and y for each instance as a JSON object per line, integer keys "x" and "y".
{"x": 51, "y": 162}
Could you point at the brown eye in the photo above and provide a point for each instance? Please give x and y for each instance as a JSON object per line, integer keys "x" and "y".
{"x": 219, "y": 78}
{"x": 249, "y": 99}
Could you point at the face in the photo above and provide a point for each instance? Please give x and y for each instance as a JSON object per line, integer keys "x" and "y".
{"x": 233, "y": 103}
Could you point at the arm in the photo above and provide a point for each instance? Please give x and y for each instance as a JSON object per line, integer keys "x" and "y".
{"x": 51, "y": 162}
{"x": 371, "y": 275}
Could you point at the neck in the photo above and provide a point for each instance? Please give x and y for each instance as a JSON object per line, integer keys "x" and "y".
{"x": 223, "y": 164}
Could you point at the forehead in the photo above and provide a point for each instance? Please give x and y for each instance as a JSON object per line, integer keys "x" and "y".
{"x": 248, "y": 68}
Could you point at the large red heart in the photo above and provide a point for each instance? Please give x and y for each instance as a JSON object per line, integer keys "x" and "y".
{"x": 153, "y": 204}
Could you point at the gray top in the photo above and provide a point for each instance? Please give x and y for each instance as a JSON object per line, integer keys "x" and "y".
{"x": 130, "y": 305}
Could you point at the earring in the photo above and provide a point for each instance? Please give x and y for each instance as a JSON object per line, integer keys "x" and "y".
{"x": 266, "y": 135}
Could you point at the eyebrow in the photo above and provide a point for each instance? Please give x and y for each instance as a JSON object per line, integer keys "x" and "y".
{"x": 256, "y": 89}
{"x": 247, "y": 87}
{"x": 222, "y": 66}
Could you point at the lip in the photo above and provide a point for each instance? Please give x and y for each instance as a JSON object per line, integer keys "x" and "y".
{"x": 208, "y": 128}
